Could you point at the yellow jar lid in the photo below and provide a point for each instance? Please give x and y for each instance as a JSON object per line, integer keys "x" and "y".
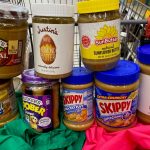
{"x": 93, "y": 6}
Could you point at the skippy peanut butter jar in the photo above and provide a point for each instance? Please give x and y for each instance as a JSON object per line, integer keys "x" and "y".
{"x": 116, "y": 94}
{"x": 78, "y": 99}
{"x": 143, "y": 56}
{"x": 40, "y": 101}
{"x": 53, "y": 34}
{"x": 13, "y": 34}
{"x": 99, "y": 30}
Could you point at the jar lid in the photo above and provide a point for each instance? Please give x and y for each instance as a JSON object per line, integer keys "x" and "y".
{"x": 79, "y": 76}
{"x": 54, "y": 10}
{"x": 29, "y": 76}
{"x": 126, "y": 72}
{"x": 93, "y": 6}
{"x": 143, "y": 54}
{"x": 10, "y": 11}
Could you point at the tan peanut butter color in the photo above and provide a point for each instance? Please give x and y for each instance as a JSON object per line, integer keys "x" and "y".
{"x": 40, "y": 101}
{"x": 116, "y": 95}
{"x": 99, "y": 30}
{"x": 143, "y": 59}
{"x": 13, "y": 34}
{"x": 8, "y": 102}
{"x": 78, "y": 100}
{"x": 53, "y": 36}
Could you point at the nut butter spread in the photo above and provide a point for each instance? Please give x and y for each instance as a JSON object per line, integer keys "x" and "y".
{"x": 78, "y": 99}
{"x": 143, "y": 56}
{"x": 13, "y": 33}
{"x": 40, "y": 101}
{"x": 53, "y": 32}
{"x": 116, "y": 94}
{"x": 99, "y": 30}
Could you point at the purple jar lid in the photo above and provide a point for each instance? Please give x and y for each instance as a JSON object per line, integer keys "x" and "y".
{"x": 29, "y": 76}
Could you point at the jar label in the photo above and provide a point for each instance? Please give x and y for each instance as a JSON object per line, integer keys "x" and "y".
{"x": 78, "y": 104}
{"x": 8, "y": 104}
{"x": 116, "y": 109}
{"x": 38, "y": 111}
{"x": 10, "y": 52}
{"x": 144, "y": 94}
{"x": 53, "y": 48}
{"x": 100, "y": 40}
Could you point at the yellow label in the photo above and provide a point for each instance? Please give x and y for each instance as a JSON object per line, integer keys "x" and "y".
{"x": 100, "y": 40}
{"x": 3, "y": 94}
{"x": 12, "y": 47}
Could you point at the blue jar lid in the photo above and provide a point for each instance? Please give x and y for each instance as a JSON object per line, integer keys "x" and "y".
{"x": 143, "y": 54}
{"x": 79, "y": 76}
{"x": 126, "y": 72}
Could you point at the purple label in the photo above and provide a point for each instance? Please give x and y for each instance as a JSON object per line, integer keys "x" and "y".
{"x": 38, "y": 111}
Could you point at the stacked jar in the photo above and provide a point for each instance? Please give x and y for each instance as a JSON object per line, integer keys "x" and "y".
{"x": 13, "y": 33}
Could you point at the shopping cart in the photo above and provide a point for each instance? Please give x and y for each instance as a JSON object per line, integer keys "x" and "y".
{"x": 133, "y": 23}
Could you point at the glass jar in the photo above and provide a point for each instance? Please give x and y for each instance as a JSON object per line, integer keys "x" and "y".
{"x": 8, "y": 102}
{"x": 53, "y": 34}
{"x": 116, "y": 93}
{"x": 13, "y": 34}
{"x": 99, "y": 30}
{"x": 40, "y": 101}
{"x": 143, "y": 56}
{"x": 78, "y": 99}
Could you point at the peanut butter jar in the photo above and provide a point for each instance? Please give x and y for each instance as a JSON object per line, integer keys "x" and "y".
{"x": 78, "y": 99}
{"x": 143, "y": 56}
{"x": 13, "y": 34}
{"x": 99, "y": 31}
{"x": 116, "y": 96}
{"x": 53, "y": 34}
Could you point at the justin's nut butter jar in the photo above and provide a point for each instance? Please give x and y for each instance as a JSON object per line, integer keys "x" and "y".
{"x": 143, "y": 57}
{"x": 13, "y": 34}
{"x": 53, "y": 34}
{"x": 99, "y": 30}
{"x": 78, "y": 99}
{"x": 116, "y": 94}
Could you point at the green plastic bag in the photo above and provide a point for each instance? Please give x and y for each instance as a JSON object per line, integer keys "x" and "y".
{"x": 17, "y": 135}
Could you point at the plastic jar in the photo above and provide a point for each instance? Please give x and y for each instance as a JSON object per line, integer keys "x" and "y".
{"x": 116, "y": 95}
{"x": 143, "y": 56}
{"x": 99, "y": 30}
{"x": 13, "y": 34}
{"x": 8, "y": 102}
{"x": 40, "y": 101}
{"x": 78, "y": 99}
{"x": 53, "y": 34}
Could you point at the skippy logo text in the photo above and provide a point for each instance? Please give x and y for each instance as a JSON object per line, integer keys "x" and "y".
{"x": 107, "y": 107}
{"x": 73, "y": 98}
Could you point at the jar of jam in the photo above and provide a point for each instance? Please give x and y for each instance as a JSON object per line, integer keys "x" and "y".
{"x": 116, "y": 94}
{"x": 13, "y": 34}
{"x": 40, "y": 101}
{"x": 143, "y": 56}
{"x": 53, "y": 34}
{"x": 8, "y": 102}
{"x": 99, "y": 30}
{"x": 78, "y": 99}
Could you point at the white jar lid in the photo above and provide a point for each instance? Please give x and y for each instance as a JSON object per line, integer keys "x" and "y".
{"x": 54, "y": 10}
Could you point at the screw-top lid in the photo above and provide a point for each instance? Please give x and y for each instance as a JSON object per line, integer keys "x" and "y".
{"x": 54, "y": 10}
{"x": 29, "y": 76}
{"x": 10, "y": 11}
{"x": 143, "y": 54}
{"x": 126, "y": 72}
{"x": 93, "y": 6}
{"x": 79, "y": 76}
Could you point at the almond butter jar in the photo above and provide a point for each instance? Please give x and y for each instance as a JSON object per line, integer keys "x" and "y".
{"x": 143, "y": 57}
{"x": 116, "y": 95}
{"x": 13, "y": 34}
{"x": 53, "y": 34}
{"x": 99, "y": 30}
{"x": 78, "y": 99}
